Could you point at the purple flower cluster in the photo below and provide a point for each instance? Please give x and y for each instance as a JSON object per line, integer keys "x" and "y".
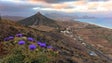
{"x": 31, "y": 46}
{"x": 30, "y": 39}
{"x": 41, "y": 44}
{"x": 49, "y": 47}
{"x": 21, "y": 42}
{"x": 6, "y": 39}
{"x": 9, "y": 38}
{"x": 19, "y": 35}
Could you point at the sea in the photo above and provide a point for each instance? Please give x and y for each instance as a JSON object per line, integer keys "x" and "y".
{"x": 104, "y": 22}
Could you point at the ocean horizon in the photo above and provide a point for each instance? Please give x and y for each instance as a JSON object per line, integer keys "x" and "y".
{"x": 104, "y": 22}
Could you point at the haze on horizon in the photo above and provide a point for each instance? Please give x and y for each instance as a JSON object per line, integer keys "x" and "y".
{"x": 98, "y": 8}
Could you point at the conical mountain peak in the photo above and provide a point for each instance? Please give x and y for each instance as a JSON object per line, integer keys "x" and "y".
{"x": 38, "y": 13}
{"x": 38, "y": 19}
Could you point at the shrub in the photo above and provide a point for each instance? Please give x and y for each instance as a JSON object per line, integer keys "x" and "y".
{"x": 22, "y": 49}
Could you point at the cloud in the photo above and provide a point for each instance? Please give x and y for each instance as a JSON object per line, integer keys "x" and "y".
{"x": 81, "y": 6}
{"x": 19, "y": 9}
{"x": 69, "y": 6}
{"x": 51, "y": 1}
{"x": 98, "y": 0}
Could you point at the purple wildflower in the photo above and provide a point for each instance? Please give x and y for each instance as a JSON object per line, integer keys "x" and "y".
{"x": 30, "y": 39}
{"x": 6, "y": 39}
{"x": 32, "y": 47}
{"x": 19, "y": 35}
{"x": 41, "y": 44}
{"x": 49, "y": 47}
{"x": 21, "y": 42}
{"x": 11, "y": 37}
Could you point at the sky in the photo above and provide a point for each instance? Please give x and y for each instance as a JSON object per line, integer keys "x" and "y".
{"x": 100, "y": 8}
{"x": 18, "y": 7}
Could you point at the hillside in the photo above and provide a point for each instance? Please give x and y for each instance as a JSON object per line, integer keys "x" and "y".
{"x": 96, "y": 38}
{"x": 76, "y": 42}
{"x": 13, "y": 18}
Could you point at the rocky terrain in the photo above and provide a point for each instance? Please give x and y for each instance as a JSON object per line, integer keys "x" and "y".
{"x": 76, "y": 42}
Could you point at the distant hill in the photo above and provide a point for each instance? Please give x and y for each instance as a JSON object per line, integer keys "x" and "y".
{"x": 68, "y": 16}
{"x": 59, "y": 17}
{"x": 13, "y": 18}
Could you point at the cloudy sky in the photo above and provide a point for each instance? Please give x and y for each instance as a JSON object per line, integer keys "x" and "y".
{"x": 28, "y": 7}
{"x": 99, "y": 8}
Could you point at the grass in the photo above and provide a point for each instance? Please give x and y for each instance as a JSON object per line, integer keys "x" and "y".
{"x": 21, "y": 53}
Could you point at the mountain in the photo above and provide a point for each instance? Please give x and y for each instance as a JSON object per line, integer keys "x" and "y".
{"x": 59, "y": 16}
{"x": 76, "y": 42}
{"x": 66, "y": 17}
{"x": 38, "y": 19}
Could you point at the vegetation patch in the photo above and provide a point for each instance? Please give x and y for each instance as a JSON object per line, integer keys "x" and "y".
{"x": 22, "y": 49}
